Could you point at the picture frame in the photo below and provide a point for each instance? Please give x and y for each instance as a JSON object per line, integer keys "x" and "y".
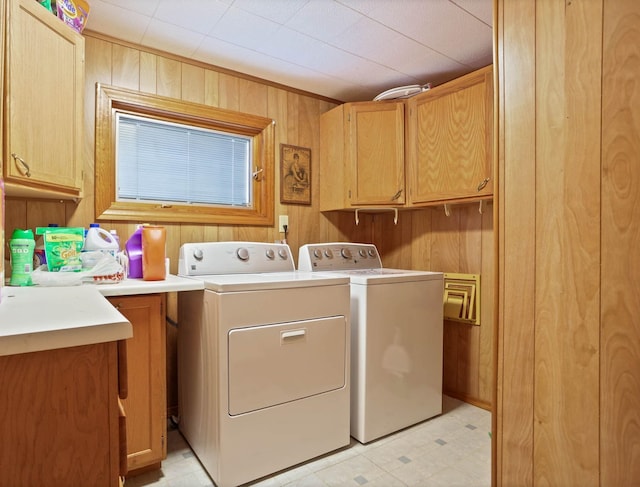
{"x": 295, "y": 175}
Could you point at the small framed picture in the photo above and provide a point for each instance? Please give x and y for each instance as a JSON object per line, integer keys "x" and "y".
{"x": 295, "y": 174}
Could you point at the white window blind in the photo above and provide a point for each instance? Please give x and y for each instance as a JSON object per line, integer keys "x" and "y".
{"x": 165, "y": 162}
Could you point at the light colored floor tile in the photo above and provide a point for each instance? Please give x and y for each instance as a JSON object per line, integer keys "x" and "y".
{"x": 410, "y": 474}
{"x": 311, "y": 480}
{"x": 453, "y": 477}
{"x": 355, "y": 471}
{"x": 453, "y": 449}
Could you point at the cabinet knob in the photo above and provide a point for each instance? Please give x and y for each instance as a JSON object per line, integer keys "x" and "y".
{"x": 483, "y": 184}
{"x": 397, "y": 195}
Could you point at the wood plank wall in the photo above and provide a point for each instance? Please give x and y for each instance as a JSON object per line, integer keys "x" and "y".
{"x": 427, "y": 239}
{"x": 620, "y": 263}
{"x": 568, "y": 399}
{"x": 462, "y": 243}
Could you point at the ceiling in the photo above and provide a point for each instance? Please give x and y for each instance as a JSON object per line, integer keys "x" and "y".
{"x": 348, "y": 50}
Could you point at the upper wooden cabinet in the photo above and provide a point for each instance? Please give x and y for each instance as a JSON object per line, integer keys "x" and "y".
{"x": 362, "y": 155}
{"x": 43, "y": 111}
{"x": 450, "y": 141}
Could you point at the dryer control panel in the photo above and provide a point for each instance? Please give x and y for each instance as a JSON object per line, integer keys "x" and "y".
{"x": 211, "y": 258}
{"x": 338, "y": 256}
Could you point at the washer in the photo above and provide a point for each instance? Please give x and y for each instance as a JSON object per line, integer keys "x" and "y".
{"x": 396, "y": 337}
{"x": 263, "y": 360}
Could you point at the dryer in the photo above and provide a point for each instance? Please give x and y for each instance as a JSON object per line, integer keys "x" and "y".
{"x": 396, "y": 337}
{"x": 263, "y": 360}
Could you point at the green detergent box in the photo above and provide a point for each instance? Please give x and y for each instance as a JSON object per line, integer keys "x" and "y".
{"x": 62, "y": 247}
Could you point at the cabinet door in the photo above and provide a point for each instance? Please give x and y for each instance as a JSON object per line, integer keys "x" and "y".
{"x": 450, "y": 129}
{"x": 375, "y": 150}
{"x": 44, "y": 75}
{"x": 60, "y": 425}
{"x": 145, "y": 404}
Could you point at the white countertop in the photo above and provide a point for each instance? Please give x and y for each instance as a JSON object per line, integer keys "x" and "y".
{"x": 44, "y": 318}
{"x": 138, "y": 286}
{"x": 34, "y": 319}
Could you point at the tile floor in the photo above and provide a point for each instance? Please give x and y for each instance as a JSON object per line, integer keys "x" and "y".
{"x": 452, "y": 450}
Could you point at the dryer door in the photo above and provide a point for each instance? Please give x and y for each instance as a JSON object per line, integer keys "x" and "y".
{"x": 275, "y": 364}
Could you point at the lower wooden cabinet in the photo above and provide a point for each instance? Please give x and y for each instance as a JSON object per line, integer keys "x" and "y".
{"x": 145, "y": 405}
{"x": 60, "y": 417}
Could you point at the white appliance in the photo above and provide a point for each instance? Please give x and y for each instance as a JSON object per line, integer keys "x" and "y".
{"x": 396, "y": 337}
{"x": 263, "y": 360}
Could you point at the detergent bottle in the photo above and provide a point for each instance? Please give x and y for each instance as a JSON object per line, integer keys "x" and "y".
{"x": 21, "y": 246}
{"x": 98, "y": 241}
{"x": 133, "y": 248}
{"x": 153, "y": 253}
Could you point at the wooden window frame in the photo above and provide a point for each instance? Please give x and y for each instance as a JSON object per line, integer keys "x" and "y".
{"x": 111, "y": 100}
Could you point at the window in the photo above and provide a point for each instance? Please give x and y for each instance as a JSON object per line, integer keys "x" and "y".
{"x": 160, "y": 159}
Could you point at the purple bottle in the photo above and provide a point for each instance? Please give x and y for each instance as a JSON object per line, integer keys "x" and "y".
{"x": 134, "y": 253}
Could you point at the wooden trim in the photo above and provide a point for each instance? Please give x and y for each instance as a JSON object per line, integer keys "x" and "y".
{"x": 123, "y": 380}
{"x": 122, "y": 427}
{"x": 111, "y": 100}
{"x": 469, "y": 399}
{"x": 497, "y": 263}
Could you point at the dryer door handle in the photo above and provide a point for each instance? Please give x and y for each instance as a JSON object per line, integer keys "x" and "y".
{"x": 284, "y": 335}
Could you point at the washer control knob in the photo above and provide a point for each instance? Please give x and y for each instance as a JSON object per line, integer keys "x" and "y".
{"x": 362, "y": 253}
{"x": 243, "y": 254}
{"x": 328, "y": 254}
{"x": 270, "y": 254}
{"x": 345, "y": 253}
{"x": 372, "y": 252}
{"x": 283, "y": 254}
{"x": 198, "y": 254}
{"x": 317, "y": 253}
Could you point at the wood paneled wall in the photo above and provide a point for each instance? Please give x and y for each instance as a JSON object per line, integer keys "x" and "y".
{"x": 297, "y": 120}
{"x": 427, "y": 239}
{"x": 568, "y": 393}
{"x": 423, "y": 239}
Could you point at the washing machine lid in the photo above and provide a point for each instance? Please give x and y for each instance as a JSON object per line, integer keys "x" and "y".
{"x": 270, "y": 280}
{"x": 387, "y": 276}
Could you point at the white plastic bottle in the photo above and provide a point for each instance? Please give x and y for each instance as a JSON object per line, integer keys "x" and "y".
{"x": 114, "y": 233}
{"x": 98, "y": 240}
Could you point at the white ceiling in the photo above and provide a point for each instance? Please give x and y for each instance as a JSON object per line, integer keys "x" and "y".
{"x": 349, "y": 50}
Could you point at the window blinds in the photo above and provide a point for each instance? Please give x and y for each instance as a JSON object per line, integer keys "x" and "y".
{"x": 167, "y": 162}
